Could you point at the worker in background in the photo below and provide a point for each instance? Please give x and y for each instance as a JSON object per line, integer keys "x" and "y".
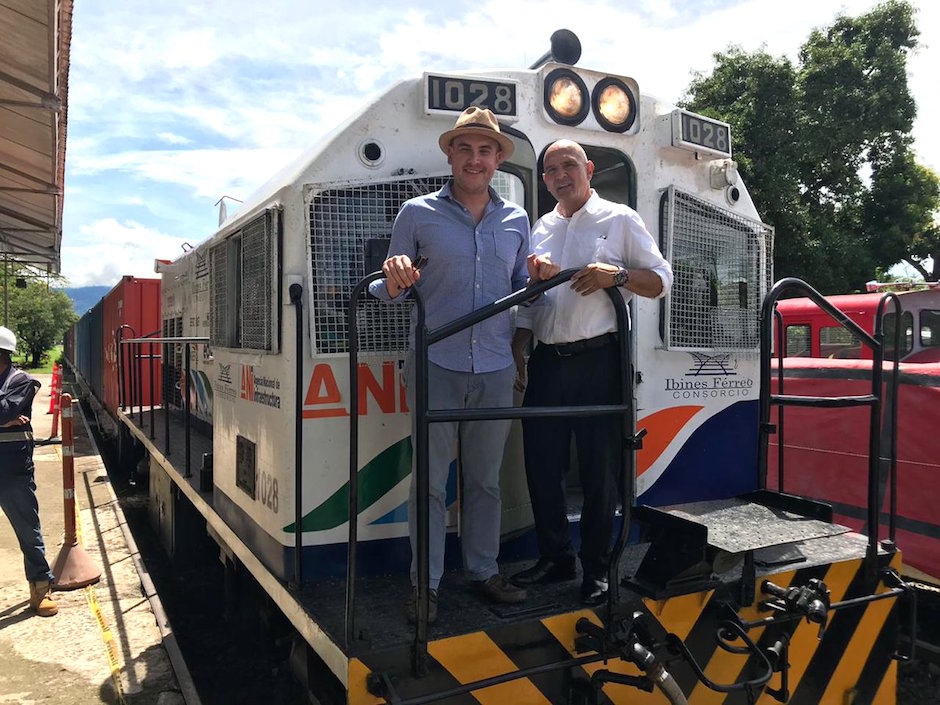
{"x": 17, "y": 483}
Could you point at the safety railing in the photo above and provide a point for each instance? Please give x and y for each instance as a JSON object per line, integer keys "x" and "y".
{"x": 873, "y": 400}
{"x": 424, "y": 338}
{"x": 131, "y": 350}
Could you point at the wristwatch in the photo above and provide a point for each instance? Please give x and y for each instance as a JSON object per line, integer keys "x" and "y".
{"x": 621, "y": 277}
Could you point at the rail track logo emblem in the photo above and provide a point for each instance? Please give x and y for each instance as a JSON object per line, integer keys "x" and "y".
{"x": 711, "y": 365}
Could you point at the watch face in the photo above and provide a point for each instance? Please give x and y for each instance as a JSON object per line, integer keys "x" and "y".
{"x": 621, "y": 277}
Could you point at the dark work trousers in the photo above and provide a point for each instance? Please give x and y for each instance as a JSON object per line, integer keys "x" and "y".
{"x": 18, "y": 501}
{"x": 586, "y": 378}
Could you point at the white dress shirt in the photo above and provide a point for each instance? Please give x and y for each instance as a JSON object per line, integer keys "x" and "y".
{"x": 602, "y": 231}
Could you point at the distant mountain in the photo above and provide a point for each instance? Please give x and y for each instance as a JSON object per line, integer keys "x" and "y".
{"x": 84, "y": 297}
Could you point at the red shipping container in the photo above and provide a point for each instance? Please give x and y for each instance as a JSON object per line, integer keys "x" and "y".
{"x": 136, "y": 303}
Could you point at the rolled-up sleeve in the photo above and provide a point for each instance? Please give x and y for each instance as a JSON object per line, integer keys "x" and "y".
{"x": 402, "y": 243}
{"x": 642, "y": 252}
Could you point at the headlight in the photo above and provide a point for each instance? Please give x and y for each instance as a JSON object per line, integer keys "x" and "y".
{"x": 614, "y": 105}
{"x": 566, "y": 97}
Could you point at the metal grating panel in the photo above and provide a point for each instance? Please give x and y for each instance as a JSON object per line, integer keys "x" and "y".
{"x": 720, "y": 261}
{"x": 219, "y": 294}
{"x": 172, "y": 363}
{"x": 256, "y": 284}
{"x": 343, "y": 221}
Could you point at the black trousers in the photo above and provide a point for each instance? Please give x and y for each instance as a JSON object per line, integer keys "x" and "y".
{"x": 587, "y": 378}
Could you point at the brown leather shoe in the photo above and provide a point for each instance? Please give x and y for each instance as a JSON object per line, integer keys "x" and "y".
{"x": 497, "y": 589}
{"x": 39, "y": 599}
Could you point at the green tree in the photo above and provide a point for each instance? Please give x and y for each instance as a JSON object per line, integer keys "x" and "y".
{"x": 39, "y": 315}
{"x": 824, "y": 147}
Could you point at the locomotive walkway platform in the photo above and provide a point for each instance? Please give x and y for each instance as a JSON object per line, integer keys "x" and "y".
{"x": 110, "y": 642}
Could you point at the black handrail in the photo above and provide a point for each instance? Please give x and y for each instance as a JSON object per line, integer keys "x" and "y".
{"x": 150, "y": 357}
{"x": 895, "y": 400}
{"x": 873, "y": 400}
{"x": 164, "y": 398}
{"x": 296, "y": 298}
{"x": 151, "y": 339}
{"x": 781, "y": 343}
{"x": 122, "y": 386}
{"x": 423, "y": 339}
{"x": 353, "y": 500}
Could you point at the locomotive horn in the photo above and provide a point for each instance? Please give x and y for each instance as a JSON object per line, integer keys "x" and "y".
{"x": 566, "y": 49}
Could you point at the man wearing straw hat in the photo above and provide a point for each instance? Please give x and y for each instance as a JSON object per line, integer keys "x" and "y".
{"x": 475, "y": 246}
{"x": 17, "y": 483}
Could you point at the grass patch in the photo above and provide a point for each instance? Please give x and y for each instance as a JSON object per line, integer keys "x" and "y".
{"x": 49, "y": 358}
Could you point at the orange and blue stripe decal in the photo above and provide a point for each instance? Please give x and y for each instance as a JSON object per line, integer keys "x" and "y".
{"x": 661, "y": 429}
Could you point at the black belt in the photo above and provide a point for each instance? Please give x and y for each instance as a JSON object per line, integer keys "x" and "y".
{"x": 580, "y": 346}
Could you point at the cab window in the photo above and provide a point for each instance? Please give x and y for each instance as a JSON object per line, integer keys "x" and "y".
{"x": 798, "y": 341}
{"x": 838, "y": 343}
{"x": 907, "y": 334}
{"x": 930, "y": 328}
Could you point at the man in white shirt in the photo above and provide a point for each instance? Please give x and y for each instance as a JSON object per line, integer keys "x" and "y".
{"x": 576, "y": 362}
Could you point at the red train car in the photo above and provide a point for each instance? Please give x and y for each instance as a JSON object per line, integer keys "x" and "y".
{"x": 134, "y": 303}
{"x": 810, "y": 332}
{"x": 91, "y": 346}
{"x": 825, "y": 450}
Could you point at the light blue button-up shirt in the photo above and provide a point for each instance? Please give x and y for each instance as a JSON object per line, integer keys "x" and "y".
{"x": 469, "y": 266}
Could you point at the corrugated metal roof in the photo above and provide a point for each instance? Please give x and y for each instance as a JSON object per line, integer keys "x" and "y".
{"x": 34, "y": 62}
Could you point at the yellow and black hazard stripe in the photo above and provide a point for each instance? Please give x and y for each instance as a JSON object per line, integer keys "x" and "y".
{"x": 852, "y": 662}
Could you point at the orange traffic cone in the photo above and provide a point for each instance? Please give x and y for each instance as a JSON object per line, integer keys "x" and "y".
{"x": 54, "y": 388}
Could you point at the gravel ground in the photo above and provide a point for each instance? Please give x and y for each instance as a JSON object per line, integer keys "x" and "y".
{"x": 919, "y": 684}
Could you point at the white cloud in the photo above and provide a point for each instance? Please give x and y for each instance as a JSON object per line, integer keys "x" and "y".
{"x": 206, "y": 173}
{"x": 171, "y": 138}
{"x": 233, "y": 91}
{"x": 108, "y": 249}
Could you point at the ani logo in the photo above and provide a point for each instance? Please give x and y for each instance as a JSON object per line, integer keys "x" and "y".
{"x": 711, "y": 365}
{"x": 248, "y": 382}
{"x": 225, "y": 373}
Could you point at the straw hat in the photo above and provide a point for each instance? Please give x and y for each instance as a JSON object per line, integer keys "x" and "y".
{"x": 478, "y": 121}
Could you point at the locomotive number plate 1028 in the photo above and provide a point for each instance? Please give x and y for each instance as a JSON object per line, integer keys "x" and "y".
{"x": 454, "y": 94}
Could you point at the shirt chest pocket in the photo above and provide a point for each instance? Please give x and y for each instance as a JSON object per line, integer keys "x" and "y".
{"x": 500, "y": 248}
{"x": 608, "y": 248}
{"x": 498, "y": 251}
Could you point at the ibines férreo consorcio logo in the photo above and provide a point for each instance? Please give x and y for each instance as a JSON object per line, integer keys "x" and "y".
{"x": 710, "y": 377}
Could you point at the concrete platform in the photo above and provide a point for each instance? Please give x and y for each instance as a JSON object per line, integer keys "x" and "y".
{"x": 110, "y": 642}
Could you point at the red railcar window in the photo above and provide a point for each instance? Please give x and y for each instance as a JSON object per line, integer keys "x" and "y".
{"x": 798, "y": 342}
{"x": 838, "y": 343}
{"x": 930, "y": 328}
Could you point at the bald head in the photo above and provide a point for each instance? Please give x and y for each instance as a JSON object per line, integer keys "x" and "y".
{"x": 567, "y": 174}
{"x": 569, "y": 145}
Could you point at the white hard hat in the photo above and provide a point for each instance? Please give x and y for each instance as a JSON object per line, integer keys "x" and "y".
{"x": 7, "y": 340}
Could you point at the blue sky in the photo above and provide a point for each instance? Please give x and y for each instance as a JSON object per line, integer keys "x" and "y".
{"x": 174, "y": 104}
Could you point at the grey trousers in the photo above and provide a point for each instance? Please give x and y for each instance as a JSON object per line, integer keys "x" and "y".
{"x": 481, "y": 446}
